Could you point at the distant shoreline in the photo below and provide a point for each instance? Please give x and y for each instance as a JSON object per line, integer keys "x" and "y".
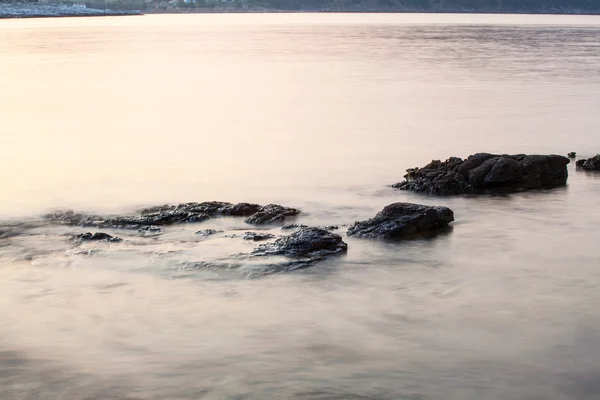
{"x": 368, "y": 11}
{"x": 29, "y": 10}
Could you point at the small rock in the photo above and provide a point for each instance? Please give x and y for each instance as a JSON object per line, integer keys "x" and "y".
{"x": 207, "y": 232}
{"x": 271, "y": 214}
{"x": 315, "y": 243}
{"x": 293, "y": 226}
{"x": 257, "y": 237}
{"x": 149, "y": 230}
{"x": 401, "y": 220}
{"x": 572, "y": 154}
{"x": 96, "y": 237}
{"x": 590, "y": 164}
{"x": 299, "y": 226}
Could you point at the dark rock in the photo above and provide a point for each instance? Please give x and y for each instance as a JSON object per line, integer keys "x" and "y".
{"x": 315, "y": 243}
{"x": 175, "y": 214}
{"x": 96, "y": 237}
{"x": 401, "y": 220}
{"x": 572, "y": 154}
{"x": 271, "y": 214}
{"x": 149, "y": 230}
{"x": 207, "y": 232}
{"x": 207, "y": 207}
{"x": 257, "y": 236}
{"x": 299, "y": 226}
{"x": 590, "y": 164}
{"x": 483, "y": 172}
{"x": 244, "y": 209}
{"x": 293, "y": 226}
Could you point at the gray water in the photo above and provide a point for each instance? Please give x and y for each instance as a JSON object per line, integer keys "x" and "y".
{"x": 320, "y": 112}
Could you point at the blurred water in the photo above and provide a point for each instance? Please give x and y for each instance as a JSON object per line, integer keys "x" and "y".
{"x": 319, "y": 112}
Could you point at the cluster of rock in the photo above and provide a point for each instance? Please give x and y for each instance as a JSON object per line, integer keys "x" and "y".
{"x": 177, "y": 214}
{"x": 590, "y": 164}
{"x": 483, "y": 172}
{"x": 305, "y": 245}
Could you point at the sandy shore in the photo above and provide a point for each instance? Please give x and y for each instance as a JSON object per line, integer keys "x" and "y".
{"x": 51, "y": 10}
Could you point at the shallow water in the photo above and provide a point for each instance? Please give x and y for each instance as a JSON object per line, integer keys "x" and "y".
{"x": 319, "y": 112}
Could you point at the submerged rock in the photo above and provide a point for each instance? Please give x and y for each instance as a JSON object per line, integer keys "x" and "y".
{"x": 271, "y": 214}
{"x": 299, "y": 226}
{"x": 207, "y": 232}
{"x": 401, "y": 220}
{"x": 315, "y": 243}
{"x": 95, "y": 237}
{"x": 175, "y": 214}
{"x": 293, "y": 226}
{"x": 590, "y": 164}
{"x": 482, "y": 172}
{"x": 257, "y": 236}
{"x": 149, "y": 230}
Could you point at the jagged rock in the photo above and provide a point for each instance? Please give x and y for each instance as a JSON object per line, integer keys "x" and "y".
{"x": 244, "y": 209}
{"x": 96, "y": 237}
{"x": 483, "y": 172}
{"x": 257, "y": 236}
{"x": 207, "y": 232}
{"x": 175, "y": 214}
{"x": 590, "y": 164}
{"x": 271, "y": 214}
{"x": 315, "y": 243}
{"x": 401, "y": 220}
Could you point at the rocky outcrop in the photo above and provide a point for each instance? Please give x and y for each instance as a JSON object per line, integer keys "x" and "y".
{"x": 314, "y": 243}
{"x": 401, "y": 220}
{"x": 244, "y": 209}
{"x": 95, "y": 237}
{"x": 483, "y": 172}
{"x": 176, "y": 214}
{"x": 590, "y": 164}
{"x": 257, "y": 236}
{"x": 271, "y": 214}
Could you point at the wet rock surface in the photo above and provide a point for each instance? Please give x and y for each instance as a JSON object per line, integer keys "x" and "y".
{"x": 403, "y": 220}
{"x": 96, "y": 237}
{"x": 315, "y": 243}
{"x": 483, "y": 172}
{"x": 271, "y": 214}
{"x": 257, "y": 236}
{"x": 590, "y": 164}
{"x": 176, "y": 214}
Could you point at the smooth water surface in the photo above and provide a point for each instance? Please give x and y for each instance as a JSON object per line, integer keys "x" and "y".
{"x": 320, "y": 112}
